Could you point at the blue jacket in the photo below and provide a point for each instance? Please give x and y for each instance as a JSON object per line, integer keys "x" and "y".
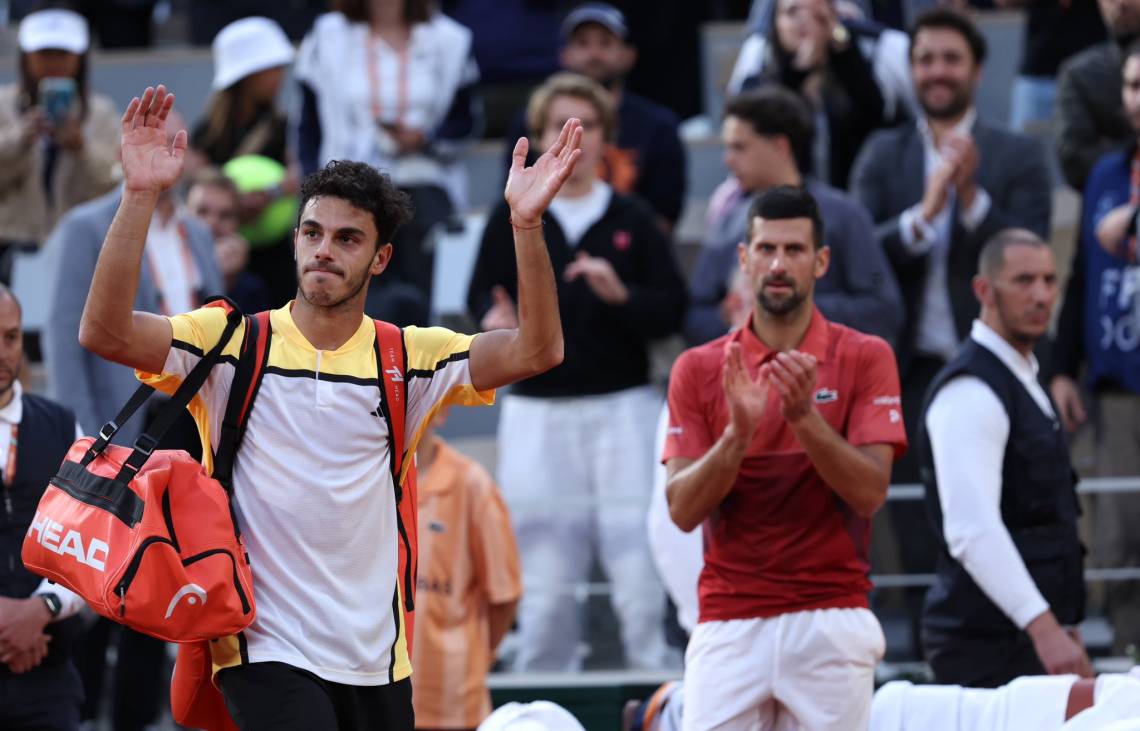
{"x": 1111, "y": 300}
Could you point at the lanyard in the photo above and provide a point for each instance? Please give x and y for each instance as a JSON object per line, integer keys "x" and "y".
{"x": 372, "y": 66}
{"x": 191, "y": 274}
{"x": 10, "y": 469}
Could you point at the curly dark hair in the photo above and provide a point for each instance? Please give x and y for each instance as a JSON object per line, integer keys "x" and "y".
{"x": 364, "y": 187}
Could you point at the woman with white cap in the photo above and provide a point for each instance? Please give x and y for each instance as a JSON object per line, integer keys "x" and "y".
{"x": 242, "y": 119}
{"x": 58, "y": 141}
{"x": 391, "y": 83}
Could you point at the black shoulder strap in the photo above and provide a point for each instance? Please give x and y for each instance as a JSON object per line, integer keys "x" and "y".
{"x": 243, "y": 390}
{"x": 173, "y": 408}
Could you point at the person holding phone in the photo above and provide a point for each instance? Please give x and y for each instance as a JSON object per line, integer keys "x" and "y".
{"x": 58, "y": 141}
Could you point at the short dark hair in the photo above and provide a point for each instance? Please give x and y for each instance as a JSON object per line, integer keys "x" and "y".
{"x": 365, "y": 188}
{"x": 787, "y": 201}
{"x": 773, "y": 110}
{"x": 992, "y": 257}
{"x": 949, "y": 19}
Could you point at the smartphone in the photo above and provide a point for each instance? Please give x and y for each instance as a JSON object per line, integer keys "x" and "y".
{"x": 57, "y": 98}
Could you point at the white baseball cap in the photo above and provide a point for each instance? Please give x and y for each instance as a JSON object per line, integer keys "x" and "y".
{"x": 62, "y": 30}
{"x": 536, "y": 716}
{"x": 247, "y": 46}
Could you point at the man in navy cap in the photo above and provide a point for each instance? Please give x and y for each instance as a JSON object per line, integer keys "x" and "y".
{"x": 648, "y": 158}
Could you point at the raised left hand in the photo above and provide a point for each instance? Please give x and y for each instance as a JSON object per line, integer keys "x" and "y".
{"x": 600, "y": 276}
{"x": 793, "y": 374}
{"x": 69, "y": 134}
{"x": 530, "y": 189}
{"x": 22, "y": 623}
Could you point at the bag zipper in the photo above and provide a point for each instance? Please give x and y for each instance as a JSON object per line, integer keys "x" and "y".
{"x": 237, "y": 580}
{"x": 133, "y": 568}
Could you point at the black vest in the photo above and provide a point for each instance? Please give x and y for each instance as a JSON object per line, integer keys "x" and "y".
{"x": 47, "y": 431}
{"x": 1038, "y": 506}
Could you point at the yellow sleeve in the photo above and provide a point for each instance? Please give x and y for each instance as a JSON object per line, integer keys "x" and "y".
{"x": 194, "y": 334}
{"x": 438, "y": 375}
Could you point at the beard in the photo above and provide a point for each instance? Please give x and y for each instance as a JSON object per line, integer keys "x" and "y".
{"x": 327, "y": 300}
{"x": 959, "y": 103}
{"x": 780, "y": 306}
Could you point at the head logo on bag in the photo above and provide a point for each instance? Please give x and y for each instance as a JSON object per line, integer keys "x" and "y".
{"x": 49, "y": 534}
{"x": 194, "y": 593}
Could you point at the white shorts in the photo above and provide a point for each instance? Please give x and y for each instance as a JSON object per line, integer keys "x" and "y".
{"x": 812, "y": 670}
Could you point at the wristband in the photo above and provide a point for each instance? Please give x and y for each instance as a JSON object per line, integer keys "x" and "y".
{"x": 517, "y": 227}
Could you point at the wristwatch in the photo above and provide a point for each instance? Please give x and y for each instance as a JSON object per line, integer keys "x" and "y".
{"x": 53, "y": 602}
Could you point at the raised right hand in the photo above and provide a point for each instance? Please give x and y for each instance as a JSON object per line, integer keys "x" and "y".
{"x": 937, "y": 191}
{"x": 1068, "y": 397}
{"x": 745, "y": 396}
{"x": 150, "y": 163}
{"x": 1058, "y": 651}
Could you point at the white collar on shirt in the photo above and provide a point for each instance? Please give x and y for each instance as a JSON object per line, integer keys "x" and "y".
{"x": 1023, "y": 368}
{"x": 14, "y": 411}
{"x": 963, "y": 127}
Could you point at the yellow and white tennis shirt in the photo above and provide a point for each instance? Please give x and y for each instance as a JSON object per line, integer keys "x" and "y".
{"x": 313, "y": 488}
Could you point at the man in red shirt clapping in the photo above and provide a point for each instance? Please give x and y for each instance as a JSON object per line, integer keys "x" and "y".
{"x": 781, "y": 439}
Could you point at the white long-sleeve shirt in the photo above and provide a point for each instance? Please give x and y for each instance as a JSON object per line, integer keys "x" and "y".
{"x": 968, "y": 429}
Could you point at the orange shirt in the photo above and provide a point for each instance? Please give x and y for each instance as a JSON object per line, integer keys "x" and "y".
{"x": 468, "y": 560}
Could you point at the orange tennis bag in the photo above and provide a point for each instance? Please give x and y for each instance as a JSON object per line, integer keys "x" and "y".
{"x": 144, "y": 535}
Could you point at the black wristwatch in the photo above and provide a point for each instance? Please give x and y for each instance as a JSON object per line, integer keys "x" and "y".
{"x": 53, "y": 602}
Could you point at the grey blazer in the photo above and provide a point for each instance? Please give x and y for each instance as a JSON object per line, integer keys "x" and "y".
{"x": 889, "y": 177}
{"x": 95, "y": 389}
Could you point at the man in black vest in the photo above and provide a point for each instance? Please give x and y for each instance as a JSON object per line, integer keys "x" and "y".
{"x": 39, "y": 685}
{"x": 1000, "y": 490}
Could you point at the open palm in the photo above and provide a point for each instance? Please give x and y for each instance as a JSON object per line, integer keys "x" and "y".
{"x": 530, "y": 189}
{"x": 745, "y": 396}
{"x": 150, "y": 162}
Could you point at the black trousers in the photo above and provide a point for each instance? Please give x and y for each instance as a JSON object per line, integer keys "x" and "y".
{"x": 981, "y": 661}
{"x": 44, "y": 699}
{"x": 273, "y": 696}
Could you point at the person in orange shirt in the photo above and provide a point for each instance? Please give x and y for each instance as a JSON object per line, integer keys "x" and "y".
{"x": 469, "y": 585}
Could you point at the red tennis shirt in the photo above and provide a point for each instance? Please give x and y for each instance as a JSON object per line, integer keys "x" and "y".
{"x": 782, "y": 540}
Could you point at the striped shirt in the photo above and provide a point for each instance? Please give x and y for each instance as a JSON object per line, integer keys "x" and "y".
{"x": 313, "y": 491}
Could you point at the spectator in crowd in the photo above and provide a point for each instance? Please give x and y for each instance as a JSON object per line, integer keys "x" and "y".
{"x": 1090, "y": 121}
{"x": 213, "y": 199}
{"x": 1000, "y": 490}
{"x": 1041, "y": 703}
{"x": 885, "y": 49}
{"x": 1099, "y": 329}
{"x": 937, "y": 190}
{"x": 781, "y": 438}
{"x": 391, "y": 84}
{"x": 809, "y": 51}
{"x": 1054, "y": 31}
{"x": 57, "y": 138}
{"x": 179, "y": 271}
{"x": 515, "y": 43}
{"x": 38, "y": 680}
{"x": 251, "y": 56}
{"x": 767, "y": 136}
{"x": 468, "y": 586}
{"x": 583, "y": 431}
{"x": 647, "y": 157}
